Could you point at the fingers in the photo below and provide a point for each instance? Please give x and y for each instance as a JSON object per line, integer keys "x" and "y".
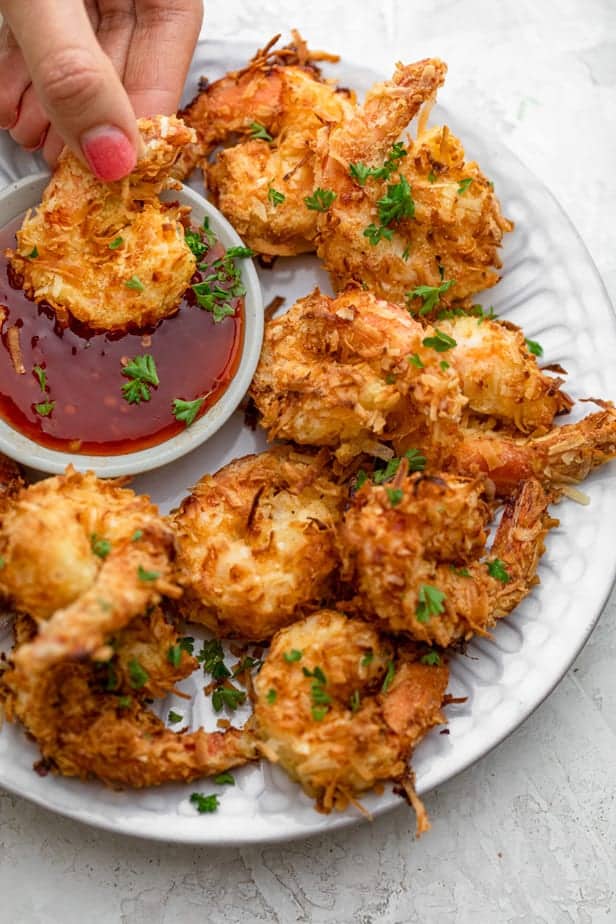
{"x": 15, "y": 78}
{"x": 76, "y": 84}
{"x": 161, "y": 49}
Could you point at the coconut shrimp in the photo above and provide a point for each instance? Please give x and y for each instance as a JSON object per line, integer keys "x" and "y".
{"x": 340, "y": 709}
{"x": 109, "y": 254}
{"x": 417, "y": 552}
{"x": 355, "y": 372}
{"x": 83, "y": 556}
{"x": 406, "y": 216}
{"x": 257, "y": 542}
{"x": 90, "y": 720}
{"x": 271, "y": 111}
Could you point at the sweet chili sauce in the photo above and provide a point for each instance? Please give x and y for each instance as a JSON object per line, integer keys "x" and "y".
{"x": 194, "y": 357}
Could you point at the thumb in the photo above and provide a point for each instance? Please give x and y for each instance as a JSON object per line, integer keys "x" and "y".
{"x": 76, "y": 83}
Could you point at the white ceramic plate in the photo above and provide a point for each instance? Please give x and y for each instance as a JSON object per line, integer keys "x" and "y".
{"x": 552, "y": 289}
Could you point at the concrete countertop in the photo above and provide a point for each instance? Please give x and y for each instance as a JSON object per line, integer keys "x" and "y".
{"x": 529, "y": 833}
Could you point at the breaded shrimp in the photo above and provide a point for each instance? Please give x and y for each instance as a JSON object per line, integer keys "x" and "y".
{"x": 112, "y": 255}
{"x": 413, "y": 550}
{"x": 82, "y": 556}
{"x": 257, "y": 542}
{"x": 88, "y": 725}
{"x": 271, "y": 111}
{"x": 406, "y": 216}
{"x": 355, "y": 371}
{"x": 341, "y": 710}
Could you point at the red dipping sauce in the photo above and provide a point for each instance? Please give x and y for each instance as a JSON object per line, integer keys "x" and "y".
{"x": 194, "y": 356}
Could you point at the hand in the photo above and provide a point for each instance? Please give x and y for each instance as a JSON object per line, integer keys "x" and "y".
{"x": 80, "y": 71}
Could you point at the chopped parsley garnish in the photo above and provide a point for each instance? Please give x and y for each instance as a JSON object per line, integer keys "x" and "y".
{"x": 320, "y": 200}
{"x": 417, "y": 463}
{"x": 225, "y": 779}
{"x": 116, "y": 242}
{"x": 397, "y": 204}
{"x": 124, "y": 702}
{"x": 222, "y": 283}
{"x": 430, "y": 295}
{"x": 390, "y": 378}
{"x": 147, "y": 576}
{"x": 143, "y": 377}
{"x": 367, "y": 659}
{"x": 100, "y": 546}
{"x": 2, "y": 562}
{"x": 174, "y": 652}
{"x": 464, "y": 184}
{"x": 441, "y": 342}
{"x": 238, "y": 253}
{"x": 111, "y": 681}
{"x": 432, "y": 177}
{"x": 432, "y": 658}
{"x": 395, "y": 496}
{"x": 319, "y": 713}
{"x": 389, "y": 676}
{"x": 215, "y": 300}
{"x": 137, "y": 675}
{"x": 415, "y": 360}
{"x": 204, "y": 804}
{"x": 376, "y": 234}
{"x": 293, "y": 655}
{"x": 430, "y": 602}
{"x": 45, "y": 408}
{"x": 535, "y": 348}
{"x": 246, "y": 664}
{"x": 461, "y": 572}
{"x": 497, "y": 569}
{"x": 174, "y": 717}
{"x": 355, "y": 701}
{"x": 259, "y": 131}
{"x": 444, "y": 365}
{"x": 360, "y": 480}
{"x": 136, "y": 535}
{"x": 135, "y": 283}
{"x": 186, "y": 411}
{"x": 227, "y": 696}
{"x": 212, "y": 658}
{"x": 34, "y": 253}
{"x": 271, "y": 696}
{"x": 406, "y": 252}
{"x": 195, "y": 242}
{"x": 275, "y": 197}
{"x": 360, "y": 172}
{"x": 41, "y": 377}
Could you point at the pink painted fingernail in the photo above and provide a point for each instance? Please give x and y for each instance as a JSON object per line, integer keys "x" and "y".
{"x": 109, "y": 153}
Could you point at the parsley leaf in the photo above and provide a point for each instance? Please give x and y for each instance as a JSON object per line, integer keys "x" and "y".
{"x": 225, "y": 779}
{"x": 429, "y": 602}
{"x": 535, "y": 348}
{"x": 417, "y": 463}
{"x": 195, "y": 242}
{"x": 389, "y": 676}
{"x": 497, "y": 569}
{"x": 464, "y": 184}
{"x": 293, "y": 655}
{"x": 174, "y": 652}
{"x": 204, "y": 804}
{"x": 321, "y": 200}
{"x": 186, "y": 411}
{"x": 355, "y": 701}
{"x": 124, "y": 702}
{"x": 271, "y": 696}
{"x": 367, "y": 659}
{"x": 432, "y": 177}
{"x": 33, "y": 253}
{"x": 275, "y": 197}
{"x": 116, "y": 242}
{"x": 45, "y": 408}
{"x": 212, "y": 658}
{"x": 432, "y": 658}
{"x": 174, "y": 717}
{"x": 395, "y": 496}
{"x": 135, "y": 283}
{"x": 376, "y": 234}
{"x": 360, "y": 172}
{"x": 143, "y": 375}
{"x": 360, "y": 479}
{"x": 137, "y": 675}
{"x": 319, "y": 713}
{"x": 41, "y": 377}
{"x": 397, "y": 204}
{"x": 147, "y": 576}
{"x": 430, "y": 295}
{"x": 259, "y": 131}
{"x": 415, "y": 360}
{"x": 441, "y": 342}
{"x": 227, "y": 696}
{"x": 100, "y": 546}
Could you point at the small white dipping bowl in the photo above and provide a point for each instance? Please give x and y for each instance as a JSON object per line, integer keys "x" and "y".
{"x": 27, "y": 193}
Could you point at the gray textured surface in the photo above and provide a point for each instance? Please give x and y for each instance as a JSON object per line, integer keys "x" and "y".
{"x": 528, "y": 834}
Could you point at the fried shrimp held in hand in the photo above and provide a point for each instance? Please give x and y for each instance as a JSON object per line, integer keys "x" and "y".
{"x": 112, "y": 255}
{"x": 406, "y": 219}
{"x": 275, "y": 106}
{"x": 90, "y": 720}
{"x": 257, "y": 542}
{"x": 83, "y": 556}
{"x": 340, "y": 710}
{"x": 416, "y": 549}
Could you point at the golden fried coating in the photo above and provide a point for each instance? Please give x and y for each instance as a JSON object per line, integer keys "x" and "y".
{"x": 442, "y": 221}
{"x": 257, "y": 542}
{"x": 260, "y": 182}
{"x": 340, "y": 709}
{"x": 112, "y": 255}
{"x": 83, "y": 556}
{"x": 413, "y": 549}
{"x": 354, "y": 371}
{"x": 86, "y": 729}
